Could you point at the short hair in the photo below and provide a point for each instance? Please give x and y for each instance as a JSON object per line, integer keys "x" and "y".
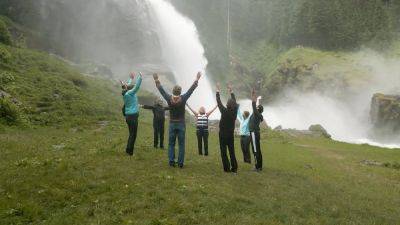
{"x": 130, "y": 87}
{"x": 231, "y": 104}
{"x": 260, "y": 108}
{"x": 246, "y": 114}
{"x": 177, "y": 90}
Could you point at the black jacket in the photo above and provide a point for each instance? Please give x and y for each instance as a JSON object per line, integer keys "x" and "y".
{"x": 228, "y": 117}
{"x": 158, "y": 112}
{"x": 255, "y": 119}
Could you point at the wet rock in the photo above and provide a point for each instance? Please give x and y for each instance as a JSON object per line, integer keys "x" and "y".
{"x": 385, "y": 112}
{"x": 318, "y": 129}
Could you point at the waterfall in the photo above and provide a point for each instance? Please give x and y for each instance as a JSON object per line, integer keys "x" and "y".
{"x": 183, "y": 52}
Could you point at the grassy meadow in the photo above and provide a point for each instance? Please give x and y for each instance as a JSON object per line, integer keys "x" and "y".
{"x": 82, "y": 176}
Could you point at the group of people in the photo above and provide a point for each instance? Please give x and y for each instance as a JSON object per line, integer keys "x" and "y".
{"x": 177, "y": 102}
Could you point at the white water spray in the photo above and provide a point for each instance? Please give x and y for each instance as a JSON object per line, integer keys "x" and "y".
{"x": 183, "y": 51}
{"x": 345, "y": 119}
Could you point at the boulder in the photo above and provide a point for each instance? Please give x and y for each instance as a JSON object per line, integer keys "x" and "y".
{"x": 385, "y": 112}
{"x": 318, "y": 129}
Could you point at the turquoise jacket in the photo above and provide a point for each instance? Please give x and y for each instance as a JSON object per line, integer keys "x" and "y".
{"x": 131, "y": 100}
{"x": 244, "y": 124}
{"x": 130, "y": 81}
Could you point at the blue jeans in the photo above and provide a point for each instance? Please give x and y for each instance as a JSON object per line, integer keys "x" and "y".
{"x": 176, "y": 130}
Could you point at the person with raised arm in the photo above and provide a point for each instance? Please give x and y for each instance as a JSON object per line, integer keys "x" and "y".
{"x": 131, "y": 111}
{"x": 244, "y": 134}
{"x": 254, "y": 127}
{"x": 158, "y": 121}
{"x": 177, "y": 128}
{"x": 227, "y": 129}
{"x": 202, "y": 128}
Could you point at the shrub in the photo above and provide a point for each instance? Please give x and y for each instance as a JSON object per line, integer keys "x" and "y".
{"x": 6, "y": 78}
{"x": 4, "y": 54}
{"x": 9, "y": 113}
{"x": 5, "y": 36}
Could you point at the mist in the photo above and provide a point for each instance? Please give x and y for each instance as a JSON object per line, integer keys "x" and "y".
{"x": 345, "y": 117}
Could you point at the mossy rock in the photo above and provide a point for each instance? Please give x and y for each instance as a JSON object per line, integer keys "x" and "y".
{"x": 319, "y": 129}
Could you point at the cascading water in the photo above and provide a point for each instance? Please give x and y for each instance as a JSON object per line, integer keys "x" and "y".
{"x": 182, "y": 51}
{"x": 345, "y": 119}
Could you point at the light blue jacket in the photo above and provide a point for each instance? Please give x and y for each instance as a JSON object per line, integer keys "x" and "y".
{"x": 244, "y": 124}
{"x": 130, "y": 81}
{"x": 131, "y": 100}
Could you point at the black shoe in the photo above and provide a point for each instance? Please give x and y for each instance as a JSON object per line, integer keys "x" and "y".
{"x": 130, "y": 153}
{"x": 206, "y": 154}
{"x": 172, "y": 164}
{"x": 257, "y": 170}
{"x": 181, "y": 166}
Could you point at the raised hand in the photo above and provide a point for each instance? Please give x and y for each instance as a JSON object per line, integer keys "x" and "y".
{"x": 253, "y": 95}
{"x": 218, "y": 87}
{"x": 230, "y": 88}
{"x": 155, "y": 76}
{"x": 198, "y": 76}
{"x": 132, "y": 75}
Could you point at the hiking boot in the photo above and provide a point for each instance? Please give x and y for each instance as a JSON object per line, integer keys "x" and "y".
{"x": 181, "y": 166}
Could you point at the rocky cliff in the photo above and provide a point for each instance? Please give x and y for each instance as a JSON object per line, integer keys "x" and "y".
{"x": 385, "y": 114}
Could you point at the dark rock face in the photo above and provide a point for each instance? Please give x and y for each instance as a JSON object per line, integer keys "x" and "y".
{"x": 385, "y": 113}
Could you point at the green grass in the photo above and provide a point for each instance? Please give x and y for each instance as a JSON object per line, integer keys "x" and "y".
{"x": 91, "y": 181}
{"x": 52, "y": 92}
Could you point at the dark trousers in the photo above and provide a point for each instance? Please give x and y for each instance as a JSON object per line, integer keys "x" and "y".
{"x": 132, "y": 121}
{"x": 245, "y": 144}
{"x": 227, "y": 142}
{"x": 202, "y": 137}
{"x": 158, "y": 126}
{"x": 255, "y": 145}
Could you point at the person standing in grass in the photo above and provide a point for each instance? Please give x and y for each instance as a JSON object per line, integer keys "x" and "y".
{"x": 227, "y": 129}
{"x": 202, "y": 128}
{"x": 177, "y": 128}
{"x": 244, "y": 134}
{"x": 131, "y": 112}
{"x": 254, "y": 127}
{"x": 158, "y": 122}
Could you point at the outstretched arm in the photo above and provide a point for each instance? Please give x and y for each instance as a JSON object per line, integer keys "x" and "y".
{"x": 148, "y": 107}
{"x": 240, "y": 116}
{"x": 137, "y": 85}
{"x": 163, "y": 93}
{"x": 219, "y": 103}
{"x": 187, "y": 95}
{"x": 194, "y": 112}
{"x": 254, "y": 104}
{"x": 211, "y": 112}
{"x": 230, "y": 89}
